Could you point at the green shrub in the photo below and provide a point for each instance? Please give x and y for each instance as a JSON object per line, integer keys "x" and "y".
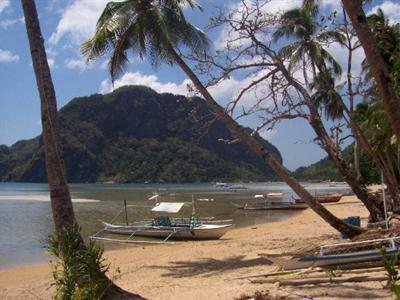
{"x": 390, "y": 265}
{"x": 80, "y": 271}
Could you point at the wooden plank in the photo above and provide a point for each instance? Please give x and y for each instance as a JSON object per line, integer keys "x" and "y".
{"x": 323, "y": 280}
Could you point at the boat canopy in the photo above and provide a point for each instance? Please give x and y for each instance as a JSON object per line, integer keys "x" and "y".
{"x": 168, "y": 207}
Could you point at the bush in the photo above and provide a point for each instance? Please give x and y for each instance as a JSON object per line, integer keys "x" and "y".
{"x": 80, "y": 271}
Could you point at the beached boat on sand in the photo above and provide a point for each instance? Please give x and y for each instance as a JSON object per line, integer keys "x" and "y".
{"x": 171, "y": 230}
{"x": 167, "y": 228}
{"x": 324, "y": 198}
{"x": 335, "y": 255}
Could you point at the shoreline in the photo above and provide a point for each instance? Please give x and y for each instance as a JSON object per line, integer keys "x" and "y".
{"x": 177, "y": 271}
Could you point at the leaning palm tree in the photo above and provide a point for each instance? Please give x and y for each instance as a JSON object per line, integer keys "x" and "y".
{"x": 156, "y": 29}
{"x": 378, "y": 67}
{"x": 299, "y": 25}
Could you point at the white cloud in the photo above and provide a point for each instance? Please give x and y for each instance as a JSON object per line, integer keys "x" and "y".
{"x": 4, "y": 4}
{"x": 391, "y": 10}
{"x": 7, "y": 56}
{"x": 151, "y": 81}
{"x": 267, "y": 134}
{"x": 51, "y": 62}
{"x": 271, "y": 7}
{"x": 5, "y": 24}
{"x": 79, "y": 64}
{"x": 78, "y": 21}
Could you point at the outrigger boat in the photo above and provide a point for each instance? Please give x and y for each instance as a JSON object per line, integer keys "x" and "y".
{"x": 193, "y": 228}
{"x": 269, "y": 201}
{"x": 324, "y": 198}
{"x": 268, "y": 206}
{"x": 334, "y": 255}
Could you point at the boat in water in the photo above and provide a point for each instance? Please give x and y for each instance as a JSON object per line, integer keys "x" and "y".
{"x": 165, "y": 227}
{"x": 324, "y": 198}
{"x": 269, "y": 201}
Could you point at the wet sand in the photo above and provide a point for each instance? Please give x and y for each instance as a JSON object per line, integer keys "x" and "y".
{"x": 210, "y": 269}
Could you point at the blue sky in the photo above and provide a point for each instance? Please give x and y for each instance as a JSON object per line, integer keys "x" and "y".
{"x": 66, "y": 23}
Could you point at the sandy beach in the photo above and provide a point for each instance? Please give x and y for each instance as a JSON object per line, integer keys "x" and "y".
{"x": 212, "y": 269}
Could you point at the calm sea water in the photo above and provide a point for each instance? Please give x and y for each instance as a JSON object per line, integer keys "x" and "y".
{"x": 26, "y": 219}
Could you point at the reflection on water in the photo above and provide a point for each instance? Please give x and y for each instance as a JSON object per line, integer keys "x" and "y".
{"x": 25, "y": 224}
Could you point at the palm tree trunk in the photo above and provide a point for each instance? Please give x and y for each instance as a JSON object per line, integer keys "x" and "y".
{"x": 61, "y": 204}
{"x": 371, "y": 202}
{"x": 360, "y": 139}
{"x": 63, "y": 213}
{"x": 379, "y": 69}
{"x": 250, "y": 141}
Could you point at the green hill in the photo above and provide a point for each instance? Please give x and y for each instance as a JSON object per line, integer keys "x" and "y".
{"x": 134, "y": 135}
{"x": 325, "y": 169}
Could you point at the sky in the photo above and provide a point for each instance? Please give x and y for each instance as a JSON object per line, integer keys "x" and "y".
{"x": 66, "y": 24}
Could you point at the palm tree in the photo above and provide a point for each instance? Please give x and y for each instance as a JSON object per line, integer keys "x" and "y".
{"x": 61, "y": 204}
{"x": 378, "y": 66}
{"x": 300, "y": 24}
{"x": 156, "y": 29}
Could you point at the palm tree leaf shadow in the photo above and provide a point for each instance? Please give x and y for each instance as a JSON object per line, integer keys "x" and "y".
{"x": 210, "y": 266}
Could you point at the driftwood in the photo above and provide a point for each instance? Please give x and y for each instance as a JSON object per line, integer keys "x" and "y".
{"x": 322, "y": 280}
{"x": 355, "y": 270}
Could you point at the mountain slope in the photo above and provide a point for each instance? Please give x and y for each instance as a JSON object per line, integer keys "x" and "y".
{"x": 135, "y": 134}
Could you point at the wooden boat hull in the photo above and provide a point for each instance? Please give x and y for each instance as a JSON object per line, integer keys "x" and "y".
{"x": 202, "y": 232}
{"x": 348, "y": 259}
{"x": 263, "y": 206}
{"x": 324, "y": 198}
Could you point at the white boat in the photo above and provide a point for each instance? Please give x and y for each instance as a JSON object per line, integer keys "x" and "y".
{"x": 328, "y": 257}
{"x": 164, "y": 227}
{"x": 173, "y": 231}
{"x": 269, "y": 201}
{"x": 238, "y": 186}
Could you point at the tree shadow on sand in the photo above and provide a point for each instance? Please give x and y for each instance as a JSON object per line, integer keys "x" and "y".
{"x": 210, "y": 266}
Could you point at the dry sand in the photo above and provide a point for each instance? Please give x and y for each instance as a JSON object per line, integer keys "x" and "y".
{"x": 209, "y": 269}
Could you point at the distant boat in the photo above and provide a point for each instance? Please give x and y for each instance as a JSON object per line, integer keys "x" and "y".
{"x": 221, "y": 185}
{"x": 269, "y": 201}
{"x": 324, "y": 198}
{"x": 269, "y": 206}
{"x": 273, "y": 195}
{"x": 237, "y": 187}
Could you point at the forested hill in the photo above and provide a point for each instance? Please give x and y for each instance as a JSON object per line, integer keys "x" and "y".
{"x": 134, "y": 135}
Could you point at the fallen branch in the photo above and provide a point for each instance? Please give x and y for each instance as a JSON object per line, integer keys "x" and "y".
{"x": 295, "y": 282}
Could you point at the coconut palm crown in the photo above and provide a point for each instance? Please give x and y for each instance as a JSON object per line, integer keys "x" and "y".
{"x": 300, "y": 24}
{"x": 300, "y": 27}
{"x": 147, "y": 27}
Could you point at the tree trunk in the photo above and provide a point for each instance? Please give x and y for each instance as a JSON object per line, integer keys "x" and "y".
{"x": 61, "y": 204}
{"x": 63, "y": 213}
{"x": 250, "y": 141}
{"x": 377, "y": 65}
{"x": 371, "y": 202}
{"x": 360, "y": 139}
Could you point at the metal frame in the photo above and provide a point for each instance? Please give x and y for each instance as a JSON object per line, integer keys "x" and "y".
{"x": 391, "y": 240}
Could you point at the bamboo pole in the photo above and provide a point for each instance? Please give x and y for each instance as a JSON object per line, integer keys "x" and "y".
{"x": 322, "y": 280}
